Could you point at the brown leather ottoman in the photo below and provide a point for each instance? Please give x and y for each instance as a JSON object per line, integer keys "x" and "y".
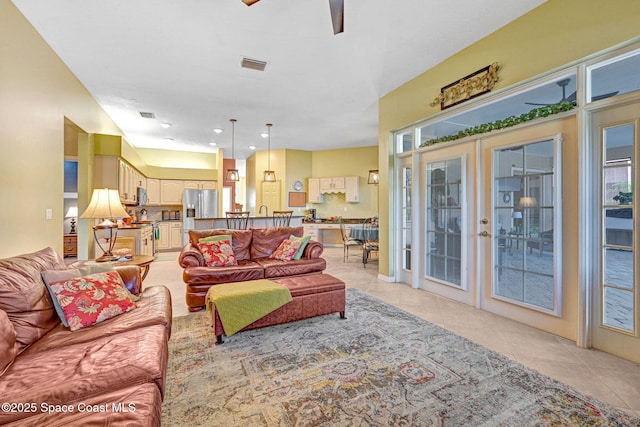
{"x": 313, "y": 295}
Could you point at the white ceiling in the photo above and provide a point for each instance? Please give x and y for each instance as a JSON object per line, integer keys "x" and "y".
{"x": 181, "y": 61}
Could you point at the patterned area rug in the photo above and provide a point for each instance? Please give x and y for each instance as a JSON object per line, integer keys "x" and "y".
{"x": 379, "y": 367}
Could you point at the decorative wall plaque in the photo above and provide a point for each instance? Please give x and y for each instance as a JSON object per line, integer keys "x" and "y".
{"x": 475, "y": 84}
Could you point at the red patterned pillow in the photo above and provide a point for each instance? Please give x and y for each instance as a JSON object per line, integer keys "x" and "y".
{"x": 218, "y": 253}
{"x": 91, "y": 299}
{"x": 286, "y": 250}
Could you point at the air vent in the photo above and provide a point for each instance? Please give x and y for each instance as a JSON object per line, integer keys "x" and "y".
{"x": 253, "y": 64}
{"x": 147, "y": 115}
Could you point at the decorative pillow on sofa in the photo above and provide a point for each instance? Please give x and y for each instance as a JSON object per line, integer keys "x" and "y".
{"x": 50, "y": 276}
{"x": 303, "y": 244}
{"x": 218, "y": 253}
{"x": 286, "y": 250}
{"x": 8, "y": 347}
{"x": 91, "y": 299}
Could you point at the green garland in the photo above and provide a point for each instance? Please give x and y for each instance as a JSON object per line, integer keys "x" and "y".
{"x": 545, "y": 111}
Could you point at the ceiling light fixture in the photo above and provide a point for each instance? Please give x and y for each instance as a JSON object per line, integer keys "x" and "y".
{"x": 217, "y": 130}
{"x": 252, "y": 147}
{"x": 165, "y": 125}
{"x": 232, "y": 174}
{"x": 213, "y": 144}
{"x": 264, "y": 134}
{"x": 269, "y": 175}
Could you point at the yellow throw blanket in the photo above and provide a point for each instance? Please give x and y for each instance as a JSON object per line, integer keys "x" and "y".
{"x": 242, "y": 303}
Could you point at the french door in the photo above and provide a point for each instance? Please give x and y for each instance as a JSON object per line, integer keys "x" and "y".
{"x": 616, "y": 293}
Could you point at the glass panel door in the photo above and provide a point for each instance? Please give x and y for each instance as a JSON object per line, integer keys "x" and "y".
{"x": 615, "y": 311}
{"x": 405, "y": 215}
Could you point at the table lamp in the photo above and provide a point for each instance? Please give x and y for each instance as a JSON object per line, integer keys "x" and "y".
{"x": 73, "y": 214}
{"x": 105, "y": 205}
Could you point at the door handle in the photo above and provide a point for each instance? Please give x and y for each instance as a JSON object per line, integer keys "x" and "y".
{"x": 484, "y": 233}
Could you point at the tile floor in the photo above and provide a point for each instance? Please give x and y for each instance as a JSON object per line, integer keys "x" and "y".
{"x": 606, "y": 377}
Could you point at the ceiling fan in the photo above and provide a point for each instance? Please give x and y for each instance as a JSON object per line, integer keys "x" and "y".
{"x": 337, "y": 13}
{"x": 572, "y": 98}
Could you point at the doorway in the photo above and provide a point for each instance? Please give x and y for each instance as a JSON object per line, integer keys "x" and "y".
{"x": 615, "y": 313}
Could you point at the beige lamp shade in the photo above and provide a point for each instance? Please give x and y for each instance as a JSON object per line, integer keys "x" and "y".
{"x": 72, "y": 212}
{"x": 105, "y": 203}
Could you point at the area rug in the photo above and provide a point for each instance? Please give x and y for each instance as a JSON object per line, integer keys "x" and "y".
{"x": 379, "y": 367}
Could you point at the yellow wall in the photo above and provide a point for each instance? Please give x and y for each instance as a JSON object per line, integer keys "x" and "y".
{"x": 37, "y": 93}
{"x": 555, "y": 34}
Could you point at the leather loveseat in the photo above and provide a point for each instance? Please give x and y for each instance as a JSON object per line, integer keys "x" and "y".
{"x": 111, "y": 373}
{"x": 252, "y": 249}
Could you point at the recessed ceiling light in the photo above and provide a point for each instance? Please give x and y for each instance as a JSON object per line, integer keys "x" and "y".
{"x": 165, "y": 125}
{"x": 213, "y": 144}
{"x": 264, "y": 134}
{"x": 217, "y": 130}
{"x": 252, "y": 147}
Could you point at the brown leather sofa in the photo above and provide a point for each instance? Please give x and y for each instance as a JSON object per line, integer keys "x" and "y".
{"x": 111, "y": 373}
{"x": 252, "y": 249}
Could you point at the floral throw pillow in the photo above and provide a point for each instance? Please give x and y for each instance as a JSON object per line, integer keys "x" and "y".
{"x": 286, "y": 250}
{"x": 91, "y": 299}
{"x": 218, "y": 253}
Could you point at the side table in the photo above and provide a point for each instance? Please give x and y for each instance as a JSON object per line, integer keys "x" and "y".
{"x": 142, "y": 261}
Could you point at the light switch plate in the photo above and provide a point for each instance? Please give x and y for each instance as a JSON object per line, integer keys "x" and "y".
{"x": 48, "y": 213}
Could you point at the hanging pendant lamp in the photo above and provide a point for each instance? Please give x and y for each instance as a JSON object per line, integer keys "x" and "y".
{"x": 269, "y": 175}
{"x": 232, "y": 174}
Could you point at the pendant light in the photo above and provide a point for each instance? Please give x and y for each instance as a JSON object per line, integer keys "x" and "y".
{"x": 232, "y": 174}
{"x": 374, "y": 176}
{"x": 269, "y": 175}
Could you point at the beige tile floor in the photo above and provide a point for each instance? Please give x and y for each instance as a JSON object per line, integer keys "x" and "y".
{"x": 606, "y": 377}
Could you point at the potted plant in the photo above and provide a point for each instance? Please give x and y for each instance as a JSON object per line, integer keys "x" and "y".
{"x": 624, "y": 198}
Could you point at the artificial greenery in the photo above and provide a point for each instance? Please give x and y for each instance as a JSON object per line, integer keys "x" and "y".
{"x": 536, "y": 113}
{"x": 624, "y": 198}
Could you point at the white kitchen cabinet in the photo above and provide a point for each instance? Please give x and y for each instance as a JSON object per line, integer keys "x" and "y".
{"x": 153, "y": 191}
{"x": 335, "y": 184}
{"x": 200, "y": 185}
{"x": 315, "y": 196}
{"x": 170, "y": 235}
{"x": 171, "y": 191}
{"x": 311, "y": 230}
{"x": 113, "y": 172}
{"x": 352, "y": 192}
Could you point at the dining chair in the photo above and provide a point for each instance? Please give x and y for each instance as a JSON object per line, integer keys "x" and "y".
{"x": 237, "y": 220}
{"x": 282, "y": 218}
{"x": 370, "y": 239}
{"x": 347, "y": 241}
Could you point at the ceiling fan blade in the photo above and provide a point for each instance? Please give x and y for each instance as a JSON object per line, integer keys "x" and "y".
{"x": 250, "y": 2}
{"x": 337, "y": 15}
{"x": 603, "y": 96}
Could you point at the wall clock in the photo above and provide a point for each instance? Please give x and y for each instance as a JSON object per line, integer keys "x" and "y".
{"x": 506, "y": 197}
{"x": 297, "y": 186}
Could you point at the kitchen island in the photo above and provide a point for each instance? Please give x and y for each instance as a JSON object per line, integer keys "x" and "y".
{"x": 254, "y": 222}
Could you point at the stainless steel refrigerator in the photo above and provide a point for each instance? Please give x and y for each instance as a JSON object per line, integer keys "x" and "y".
{"x": 197, "y": 204}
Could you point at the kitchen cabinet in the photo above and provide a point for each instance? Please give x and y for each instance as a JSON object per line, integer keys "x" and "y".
{"x": 171, "y": 191}
{"x": 311, "y": 230}
{"x": 170, "y": 235}
{"x": 200, "y": 185}
{"x": 153, "y": 191}
{"x": 352, "y": 190}
{"x": 138, "y": 240}
{"x": 315, "y": 196}
{"x": 332, "y": 185}
{"x": 113, "y": 172}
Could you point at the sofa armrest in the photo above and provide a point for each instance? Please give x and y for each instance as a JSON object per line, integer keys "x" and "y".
{"x": 131, "y": 277}
{"x": 190, "y": 256}
{"x": 313, "y": 249}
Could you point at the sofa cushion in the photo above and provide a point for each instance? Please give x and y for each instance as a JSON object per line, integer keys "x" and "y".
{"x": 154, "y": 308}
{"x": 7, "y": 342}
{"x": 218, "y": 253}
{"x": 266, "y": 240}
{"x": 24, "y": 297}
{"x": 277, "y": 268}
{"x": 286, "y": 250}
{"x": 240, "y": 240}
{"x": 91, "y": 299}
{"x": 72, "y": 374}
{"x": 304, "y": 242}
{"x": 50, "y": 276}
{"x": 245, "y": 270}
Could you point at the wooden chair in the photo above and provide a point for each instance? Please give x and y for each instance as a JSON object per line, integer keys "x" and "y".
{"x": 347, "y": 241}
{"x": 282, "y": 218}
{"x": 237, "y": 220}
{"x": 370, "y": 242}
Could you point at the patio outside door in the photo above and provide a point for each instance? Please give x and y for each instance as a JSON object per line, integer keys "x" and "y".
{"x": 615, "y": 313}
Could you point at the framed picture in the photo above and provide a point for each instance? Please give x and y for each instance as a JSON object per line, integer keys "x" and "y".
{"x": 297, "y": 199}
